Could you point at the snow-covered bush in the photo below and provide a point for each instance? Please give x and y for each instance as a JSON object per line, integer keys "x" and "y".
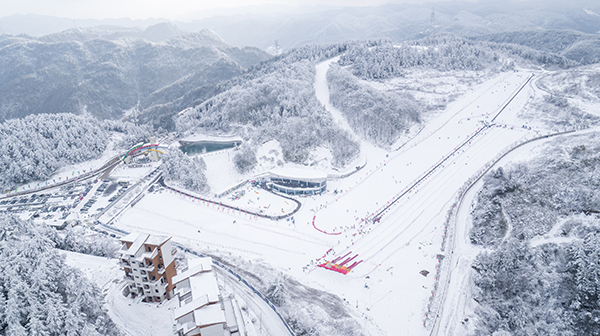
{"x": 185, "y": 171}
{"x": 132, "y": 133}
{"x": 39, "y": 293}
{"x": 75, "y": 239}
{"x": 244, "y": 159}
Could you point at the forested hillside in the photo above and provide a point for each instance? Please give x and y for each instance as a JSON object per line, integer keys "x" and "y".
{"x": 577, "y": 46}
{"x": 184, "y": 171}
{"x": 380, "y": 117}
{"x": 33, "y": 148}
{"x": 540, "y": 222}
{"x": 276, "y": 101}
{"x": 39, "y": 293}
{"x": 443, "y": 52}
{"x": 109, "y": 73}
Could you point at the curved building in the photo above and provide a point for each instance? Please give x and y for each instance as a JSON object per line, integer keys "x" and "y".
{"x": 295, "y": 181}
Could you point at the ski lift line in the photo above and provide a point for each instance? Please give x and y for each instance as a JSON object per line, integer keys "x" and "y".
{"x": 409, "y": 189}
{"x": 396, "y": 236}
{"x": 372, "y": 240}
{"x": 513, "y": 97}
{"x": 398, "y": 152}
{"x": 451, "y": 118}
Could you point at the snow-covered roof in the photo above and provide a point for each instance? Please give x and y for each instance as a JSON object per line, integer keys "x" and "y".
{"x": 190, "y": 307}
{"x": 299, "y": 173}
{"x": 137, "y": 243}
{"x": 205, "y": 284}
{"x": 208, "y": 315}
{"x": 157, "y": 240}
{"x": 130, "y": 238}
{"x": 195, "y": 266}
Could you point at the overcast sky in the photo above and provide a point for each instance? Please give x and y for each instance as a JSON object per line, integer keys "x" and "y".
{"x": 143, "y": 9}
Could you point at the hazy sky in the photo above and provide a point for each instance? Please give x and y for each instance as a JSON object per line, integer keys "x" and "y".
{"x": 142, "y": 9}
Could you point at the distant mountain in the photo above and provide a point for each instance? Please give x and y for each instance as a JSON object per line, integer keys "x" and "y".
{"x": 40, "y": 25}
{"x": 261, "y": 26}
{"x": 574, "y": 45}
{"x": 108, "y": 71}
{"x": 402, "y": 21}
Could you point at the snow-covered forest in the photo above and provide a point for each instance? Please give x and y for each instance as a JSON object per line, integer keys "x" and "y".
{"x": 539, "y": 220}
{"x": 185, "y": 171}
{"x": 276, "y": 101}
{"x": 37, "y": 146}
{"x": 33, "y": 148}
{"x": 379, "y": 117}
{"x": 443, "y": 52}
{"x": 39, "y": 293}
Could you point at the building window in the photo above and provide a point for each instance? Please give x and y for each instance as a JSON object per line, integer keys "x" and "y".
{"x": 135, "y": 270}
{"x": 142, "y": 272}
{"x": 146, "y": 287}
{"x": 156, "y": 290}
{"x": 137, "y": 276}
{"x": 149, "y": 249}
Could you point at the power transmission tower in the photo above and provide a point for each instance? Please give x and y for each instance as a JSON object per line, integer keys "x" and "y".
{"x": 432, "y": 19}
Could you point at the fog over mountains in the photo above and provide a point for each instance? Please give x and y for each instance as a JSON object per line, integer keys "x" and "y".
{"x": 259, "y": 26}
{"x": 106, "y": 71}
{"x": 109, "y": 67}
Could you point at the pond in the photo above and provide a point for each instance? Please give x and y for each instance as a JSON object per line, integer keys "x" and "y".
{"x": 207, "y": 146}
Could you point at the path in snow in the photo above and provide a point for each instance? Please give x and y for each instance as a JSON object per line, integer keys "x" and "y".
{"x": 322, "y": 92}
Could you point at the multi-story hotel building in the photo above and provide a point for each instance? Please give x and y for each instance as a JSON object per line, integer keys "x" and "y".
{"x": 149, "y": 266}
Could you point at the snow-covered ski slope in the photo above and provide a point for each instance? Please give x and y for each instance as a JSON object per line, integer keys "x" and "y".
{"x": 385, "y": 289}
{"x": 322, "y": 92}
{"x": 409, "y": 234}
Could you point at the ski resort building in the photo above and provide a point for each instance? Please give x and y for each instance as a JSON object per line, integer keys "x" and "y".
{"x": 149, "y": 266}
{"x": 293, "y": 181}
{"x": 202, "y": 310}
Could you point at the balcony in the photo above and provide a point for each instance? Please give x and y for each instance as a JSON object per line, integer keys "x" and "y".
{"x": 147, "y": 255}
{"x": 146, "y": 267}
{"x": 161, "y": 270}
{"x": 124, "y": 264}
